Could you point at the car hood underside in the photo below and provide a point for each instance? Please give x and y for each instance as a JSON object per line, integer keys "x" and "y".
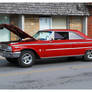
{"x": 16, "y": 31}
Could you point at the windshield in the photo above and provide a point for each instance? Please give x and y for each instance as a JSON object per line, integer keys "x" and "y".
{"x": 43, "y": 35}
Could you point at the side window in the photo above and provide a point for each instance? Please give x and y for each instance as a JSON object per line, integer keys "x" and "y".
{"x": 61, "y": 35}
{"x": 73, "y": 35}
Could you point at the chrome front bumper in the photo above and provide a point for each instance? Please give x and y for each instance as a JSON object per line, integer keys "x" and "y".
{"x": 9, "y": 54}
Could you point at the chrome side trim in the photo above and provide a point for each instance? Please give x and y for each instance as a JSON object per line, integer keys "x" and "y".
{"x": 67, "y": 48}
{"x": 62, "y": 56}
{"x": 53, "y": 43}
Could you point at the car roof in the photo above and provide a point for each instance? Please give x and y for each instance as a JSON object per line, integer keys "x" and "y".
{"x": 59, "y": 30}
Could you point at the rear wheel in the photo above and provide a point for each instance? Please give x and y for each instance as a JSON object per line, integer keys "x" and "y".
{"x": 12, "y": 60}
{"x": 88, "y": 55}
{"x": 26, "y": 58}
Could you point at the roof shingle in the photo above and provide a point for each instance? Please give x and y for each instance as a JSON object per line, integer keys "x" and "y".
{"x": 44, "y": 8}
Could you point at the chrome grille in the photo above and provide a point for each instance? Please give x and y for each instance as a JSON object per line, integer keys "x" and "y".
{"x": 3, "y": 46}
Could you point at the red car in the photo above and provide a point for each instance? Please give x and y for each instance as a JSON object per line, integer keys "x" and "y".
{"x": 50, "y": 43}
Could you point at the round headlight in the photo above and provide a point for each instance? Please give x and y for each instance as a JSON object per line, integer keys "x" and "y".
{"x": 9, "y": 48}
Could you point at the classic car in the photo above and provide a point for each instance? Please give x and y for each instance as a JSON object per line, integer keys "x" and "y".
{"x": 48, "y": 43}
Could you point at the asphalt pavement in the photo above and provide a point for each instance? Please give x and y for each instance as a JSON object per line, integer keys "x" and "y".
{"x": 72, "y": 73}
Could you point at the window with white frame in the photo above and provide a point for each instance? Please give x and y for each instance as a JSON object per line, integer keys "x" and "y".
{"x": 45, "y": 23}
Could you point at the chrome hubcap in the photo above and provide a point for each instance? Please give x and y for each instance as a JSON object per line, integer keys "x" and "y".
{"x": 27, "y": 58}
{"x": 90, "y": 54}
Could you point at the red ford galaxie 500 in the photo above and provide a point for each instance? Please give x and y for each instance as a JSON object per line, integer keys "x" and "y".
{"x": 50, "y": 43}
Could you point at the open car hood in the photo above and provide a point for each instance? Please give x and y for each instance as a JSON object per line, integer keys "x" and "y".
{"x": 16, "y": 31}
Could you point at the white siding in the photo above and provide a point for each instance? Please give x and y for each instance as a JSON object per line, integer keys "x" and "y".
{"x": 59, "y": 22}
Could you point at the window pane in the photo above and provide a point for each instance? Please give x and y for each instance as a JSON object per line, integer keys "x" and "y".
{"x": 61, "y": 35}
{"x": 43, "y": 35}
{"x": 74, "y": 36}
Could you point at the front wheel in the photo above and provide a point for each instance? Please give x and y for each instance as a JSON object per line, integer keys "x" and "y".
{"x": 88, "y": 55}
{"x": 26, "y": 58}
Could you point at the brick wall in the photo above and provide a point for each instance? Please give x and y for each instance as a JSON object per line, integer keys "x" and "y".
{"x": 90, "y": 22}
{"x": 90, "y": 26}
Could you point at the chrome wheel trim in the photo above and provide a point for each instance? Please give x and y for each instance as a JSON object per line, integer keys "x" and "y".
{"x": 27, "y": 58}
{"x": 89, "y": 53}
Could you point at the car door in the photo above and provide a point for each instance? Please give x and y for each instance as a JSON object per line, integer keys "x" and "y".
{"x": 60, "y": 46}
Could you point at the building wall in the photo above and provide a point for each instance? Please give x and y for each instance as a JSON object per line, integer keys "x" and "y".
{"x": 59, "y": 22}
{"x": 14, "y": 21}
{"x": 90, "y": 22}
{"x": 4, "y": 33}
{"x": 76, "y": 23}
{"x": 45, "y": 23}
{"x": 8, "y": 19}
{"x": 31, "y": 24}
{"x": 34, "y": 23}
{"x": 90, "y": 26}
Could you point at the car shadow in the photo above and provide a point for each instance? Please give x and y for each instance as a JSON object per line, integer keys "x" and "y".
{"x": 59, "y": 60}
{"x": 4, "y": 63}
